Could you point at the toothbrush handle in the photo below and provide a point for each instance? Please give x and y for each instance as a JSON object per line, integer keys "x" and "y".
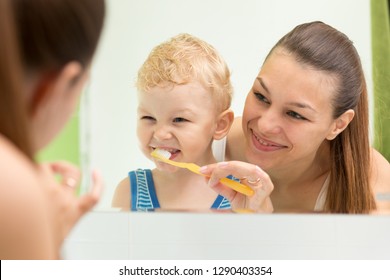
{"x": 226, "y": 181}
{"x": 237, "y": 186}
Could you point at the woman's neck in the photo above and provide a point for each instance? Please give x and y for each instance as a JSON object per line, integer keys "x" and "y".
{"x": 303, "y": 171}
{"x": 297, "y": 187}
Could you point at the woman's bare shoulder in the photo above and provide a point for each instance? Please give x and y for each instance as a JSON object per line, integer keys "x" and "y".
{"x": 122, "y": 195}
{"x": 380, "y": 181}
{"x": 23, "y": 208}
{"x": 380, "y": 176}
{"x": 235, "y": 143}
{"x": 16, "y": 169}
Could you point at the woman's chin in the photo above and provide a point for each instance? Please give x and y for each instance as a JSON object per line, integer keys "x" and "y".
{"x": 261, "y": 161}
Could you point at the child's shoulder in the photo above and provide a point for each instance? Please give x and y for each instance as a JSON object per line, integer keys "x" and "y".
{"x": 122, "y": 195}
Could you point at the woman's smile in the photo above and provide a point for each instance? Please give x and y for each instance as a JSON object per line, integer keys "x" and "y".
{"x": 265, "y": 145}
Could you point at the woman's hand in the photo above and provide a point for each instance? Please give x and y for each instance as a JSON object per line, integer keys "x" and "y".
{"x": 250, "y": 175}
{"x": 65, "y": 207}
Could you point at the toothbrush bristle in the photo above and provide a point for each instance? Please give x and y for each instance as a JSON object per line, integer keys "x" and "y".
{"x": 162, "y": 153}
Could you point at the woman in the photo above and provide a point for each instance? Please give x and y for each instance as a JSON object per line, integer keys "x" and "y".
{"x": 39, "y": 89}
{"x": 305, "y": 125}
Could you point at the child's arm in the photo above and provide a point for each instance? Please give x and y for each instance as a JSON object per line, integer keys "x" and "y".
{"x": 122, "y": 195}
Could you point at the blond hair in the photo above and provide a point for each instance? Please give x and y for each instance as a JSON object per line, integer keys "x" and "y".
{"x": 184, "y": 59}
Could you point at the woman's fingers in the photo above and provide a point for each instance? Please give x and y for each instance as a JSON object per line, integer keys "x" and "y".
{"x": 65, "y": 207}
{"x": 236, "y": 168}
{"x": 89, "y": 200}
{"x": 250, "y": 175}
{"x": 224, "y": 190}
{"x": 70, "y": 177}
{"x": 260, "y": 201}
{"x": 70, "y": 173}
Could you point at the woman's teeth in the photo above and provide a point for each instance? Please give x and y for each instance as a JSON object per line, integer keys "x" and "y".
{"x": 262, "y": 142}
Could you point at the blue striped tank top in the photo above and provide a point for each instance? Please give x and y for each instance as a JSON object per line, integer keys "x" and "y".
{"x": 144, "y": 197}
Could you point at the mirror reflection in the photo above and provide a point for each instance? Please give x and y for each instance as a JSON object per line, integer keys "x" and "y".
{"x": 289, "y": 121}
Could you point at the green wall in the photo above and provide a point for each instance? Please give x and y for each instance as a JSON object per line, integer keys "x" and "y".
{"x": 381, "y": 74}
{"x": 66, "y": 146}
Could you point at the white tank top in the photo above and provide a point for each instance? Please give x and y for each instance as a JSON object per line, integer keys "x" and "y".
{"x": 320, "y": 202}
{"x": 219, "y": 147}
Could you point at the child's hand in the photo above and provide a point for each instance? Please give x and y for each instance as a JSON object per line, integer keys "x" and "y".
{"x": 64, "y": 207}
{"x": 251, "y": 175}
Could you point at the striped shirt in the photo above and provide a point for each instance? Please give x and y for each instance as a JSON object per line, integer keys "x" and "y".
{"x": 144, "y": 197}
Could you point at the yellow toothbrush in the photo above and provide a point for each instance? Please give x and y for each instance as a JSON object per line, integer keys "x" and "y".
{"x": 164, "y": 156}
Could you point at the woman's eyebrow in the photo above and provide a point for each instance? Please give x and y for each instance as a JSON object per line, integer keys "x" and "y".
{"x": 263, "y": 84}
{"x": 302, "y": 106}
{"x": 295, "y": 104}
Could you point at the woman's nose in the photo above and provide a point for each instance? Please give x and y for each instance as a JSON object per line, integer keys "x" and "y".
{"x": 269, "y": 122}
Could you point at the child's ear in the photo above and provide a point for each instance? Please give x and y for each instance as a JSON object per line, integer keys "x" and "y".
{"x": 340, "y": 124}
{"x": 224, "y": 122}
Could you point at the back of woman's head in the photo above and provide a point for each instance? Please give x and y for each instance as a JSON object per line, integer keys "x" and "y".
{"x": 40, "y": 37}
{"x": 13, "y": 117}
{"x": 55, "y": 32}
{"x": 324, "y": 48}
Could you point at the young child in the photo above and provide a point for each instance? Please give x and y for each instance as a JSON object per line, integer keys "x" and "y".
{"x": 184, "y": 94}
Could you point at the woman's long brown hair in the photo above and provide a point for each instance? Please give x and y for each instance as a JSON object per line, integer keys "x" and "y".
{"x": 326, "y": 49}
{"x": 13, "y": 107}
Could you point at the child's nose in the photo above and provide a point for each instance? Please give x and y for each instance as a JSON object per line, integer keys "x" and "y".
{"x": 162, "y": 132}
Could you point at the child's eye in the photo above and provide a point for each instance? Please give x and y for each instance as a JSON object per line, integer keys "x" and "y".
{"x": 147, "y": 118}
{"x": 262, "y": 98}
{"x": 296, "y": 115}
{"x": 176, "y": 120}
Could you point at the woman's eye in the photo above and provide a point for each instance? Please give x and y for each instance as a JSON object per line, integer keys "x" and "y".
{"x": 262, "y": 98}
{"x": 176, "y": 120}
{"x": 296, "y": 115}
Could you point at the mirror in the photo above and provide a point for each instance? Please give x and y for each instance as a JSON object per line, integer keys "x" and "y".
{"x": 242, "y": 31}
